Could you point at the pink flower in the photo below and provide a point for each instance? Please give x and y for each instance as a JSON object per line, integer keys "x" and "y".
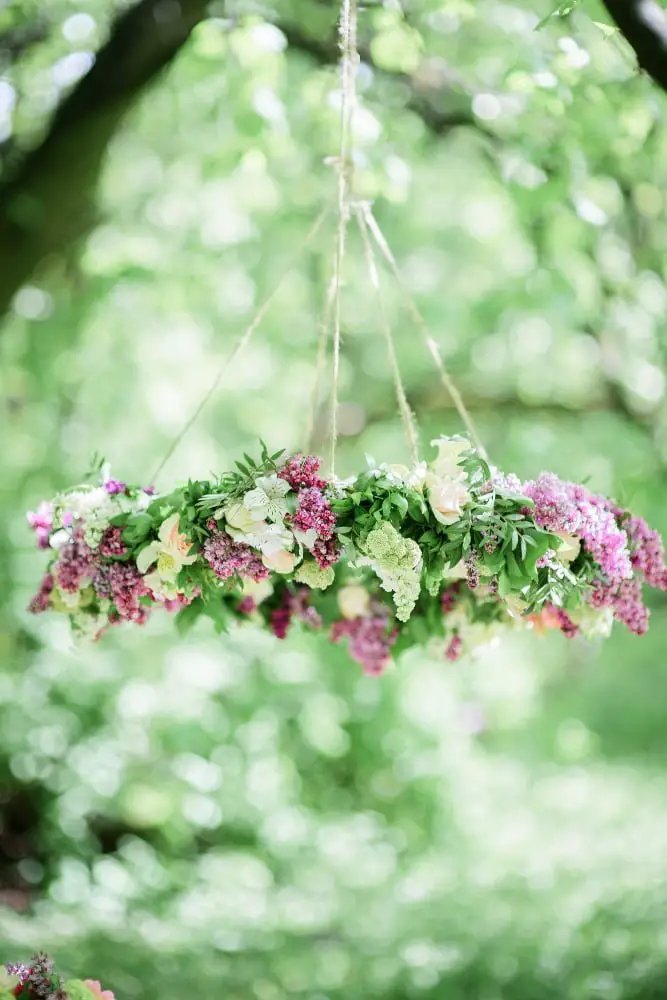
{"x": 227, "y": 557}
{"x": 41, "y": 521}
{"x": 96, "y": 989}
{"x": 314, "y": 512}
{"x": 112, "y": 544}
{"x": 300, "y": 471}
{"x": 370, "y": 639}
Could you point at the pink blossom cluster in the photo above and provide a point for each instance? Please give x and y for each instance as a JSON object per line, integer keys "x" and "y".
{"x": 563, "y": 621}
{"x": 571, "y": 509}
{"x": 449, "y": 597}
{"x": 370, "y": 639}
{"x": 454, "y": 648}
{"x": 123, "y": 584}
{"x": 647, "y": 552}
{"x": 111, "y": 543}
{"x": 294, "y": 604}
{"x": 42, "y": 599}
{"x": 41, "y": 521}
{"x": 227, "y": 557}
{"x": 75, "y": 564}
{"x": 301, "y": 471}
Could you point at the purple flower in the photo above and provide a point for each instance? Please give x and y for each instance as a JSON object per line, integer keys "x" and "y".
{"x": 115, "y": 486}
{"x": 647, "y": 552}
{"x": 123, "y": 584}
{"x": 370, "y": 639}
{"x": 314, "y": 512}
{"x": 227, "y": 557}
{"x": 454, "y": 649}
{"x": 42, "y": 599}
{"x": 75, "y": 563}
{"x": 111, "y": 543}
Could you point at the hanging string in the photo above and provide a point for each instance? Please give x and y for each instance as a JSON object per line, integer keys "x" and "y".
{"x": 420, "y": 322}
{"x": 374, "y": 277}
{"x": 348, "y": 72}
{"x": 325, "y": 324}
{"x": 243, "y": 340}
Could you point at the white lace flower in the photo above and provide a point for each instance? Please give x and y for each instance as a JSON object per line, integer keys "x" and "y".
{"x": 267, "y": 499}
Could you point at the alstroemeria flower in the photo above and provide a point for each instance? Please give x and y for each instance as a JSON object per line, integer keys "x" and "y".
{"x": 447, "y": 498}
{"x": 169, "y": 551}
{"x": 267, "y": 499}
{"x": 306, "y": 538}
{"x": 450, "y": 450}
{"x": 281, "y": 561}
{"x": 354, "y": 601}
{"x": 268, "y": 538}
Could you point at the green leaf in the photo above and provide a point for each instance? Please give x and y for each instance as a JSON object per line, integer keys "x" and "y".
{"x": 562, "y": 10}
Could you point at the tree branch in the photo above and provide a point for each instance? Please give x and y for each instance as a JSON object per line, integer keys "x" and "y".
{"x": 47, "y": 205}
{"x": 643, "y": 24}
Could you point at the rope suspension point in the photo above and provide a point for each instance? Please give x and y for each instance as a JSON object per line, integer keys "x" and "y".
{"x": 420, "y": 323}
{"x": 348, "y": 70}
{"x": 243, "y": 340}
{"x": 404, "y": 407}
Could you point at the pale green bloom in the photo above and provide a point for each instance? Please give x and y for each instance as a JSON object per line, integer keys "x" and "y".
{"x": 313, "y": 576}
{"x": 397, "y": 562}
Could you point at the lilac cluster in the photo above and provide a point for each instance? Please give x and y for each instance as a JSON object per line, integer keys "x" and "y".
{"x": 370, "y": 639}
{"x": 123, "y": 584}
{"x": 227, "y": 557}
{"x": 294, "y": 604}
{"x": 111, "y": 543}
{"x": 565, "y": 623}
{"x": 42, "y": 600}
{"x": 75, "y": 563}
{"x": 568, "y": 508}
{"x": 647, "y": 553}
{"x": 301, "y": 471}
{"x": 627, "y": 602}
{"x": 113, "y": 486}
{"x": 449, "y": 597}
{"x": 314, "y": 512}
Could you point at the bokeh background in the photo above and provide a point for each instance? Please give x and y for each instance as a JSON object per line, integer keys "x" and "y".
{"x": 242, "y": 818}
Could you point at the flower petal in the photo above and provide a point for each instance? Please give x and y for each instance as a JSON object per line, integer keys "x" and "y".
{"x": 255, "y": 498}
{"x": 148, "y": 555}
{"x": 167, "y": 527}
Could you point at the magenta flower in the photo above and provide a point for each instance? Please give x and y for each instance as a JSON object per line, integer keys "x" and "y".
{"x": 41, "y": 521}
{"x": 111, "y": 543}
{"x": 113, "y": 486}
{"x": 314, "y": 513}
{"x": 454, "y": 649}
{"x": 75, "y": 564}
{"x": 42, "y": 599}
{"x": 370, "y": 639}
{"x": 301, "y": 471}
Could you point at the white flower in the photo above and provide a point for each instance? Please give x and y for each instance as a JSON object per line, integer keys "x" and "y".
{"x": 450, "y": 450}
{"x": 413, "y": 477}
{"x": 266, "y": 500}
{"x": 281, "y": 561}
{"x": 169, "y": 551}
{"x": 306, "y": 538}
{"x": 354, "y": 601}
{"x": 570, "y": 548}
{"x": 447, "y": 498}
{"x": 267, "y": 538}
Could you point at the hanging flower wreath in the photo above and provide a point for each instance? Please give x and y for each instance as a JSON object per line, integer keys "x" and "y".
{"x": 38, "y": 980}
{"x": 451, "y": 552}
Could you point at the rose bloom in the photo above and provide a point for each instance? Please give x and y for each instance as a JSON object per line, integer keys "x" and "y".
{"x": 238, "y": 517}
{"x": 450, "y": 450}
{"x": 354, "y": 601}
{"x": 281, "y": 561}
{"x": 447, "y": 498}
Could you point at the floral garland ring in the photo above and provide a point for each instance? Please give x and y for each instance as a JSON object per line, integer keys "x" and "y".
{"x": 451, "y": 551}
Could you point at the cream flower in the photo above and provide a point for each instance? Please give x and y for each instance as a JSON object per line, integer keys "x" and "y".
{"x": 570, "y": 548}
{"x": 413, "y": 477}
{"x": 239, "y": 518}
{"x": 354, "y": 601}
{"x": 267, "y": 499}
{"x": 169, "y": 552}
{"x": 447, "y": 498}
{"x": 450, "y": 450}
{"x": 306, "y": 538}
{"x": 281, "y": 561}
{"x": 458, "y": 572}
{"x": 259, "y": 590}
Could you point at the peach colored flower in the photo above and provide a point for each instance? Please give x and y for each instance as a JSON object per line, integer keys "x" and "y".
{"x": 96, "y": 989}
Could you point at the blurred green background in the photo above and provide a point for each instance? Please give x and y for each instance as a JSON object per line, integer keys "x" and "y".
{"x": 241, "y": 818}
